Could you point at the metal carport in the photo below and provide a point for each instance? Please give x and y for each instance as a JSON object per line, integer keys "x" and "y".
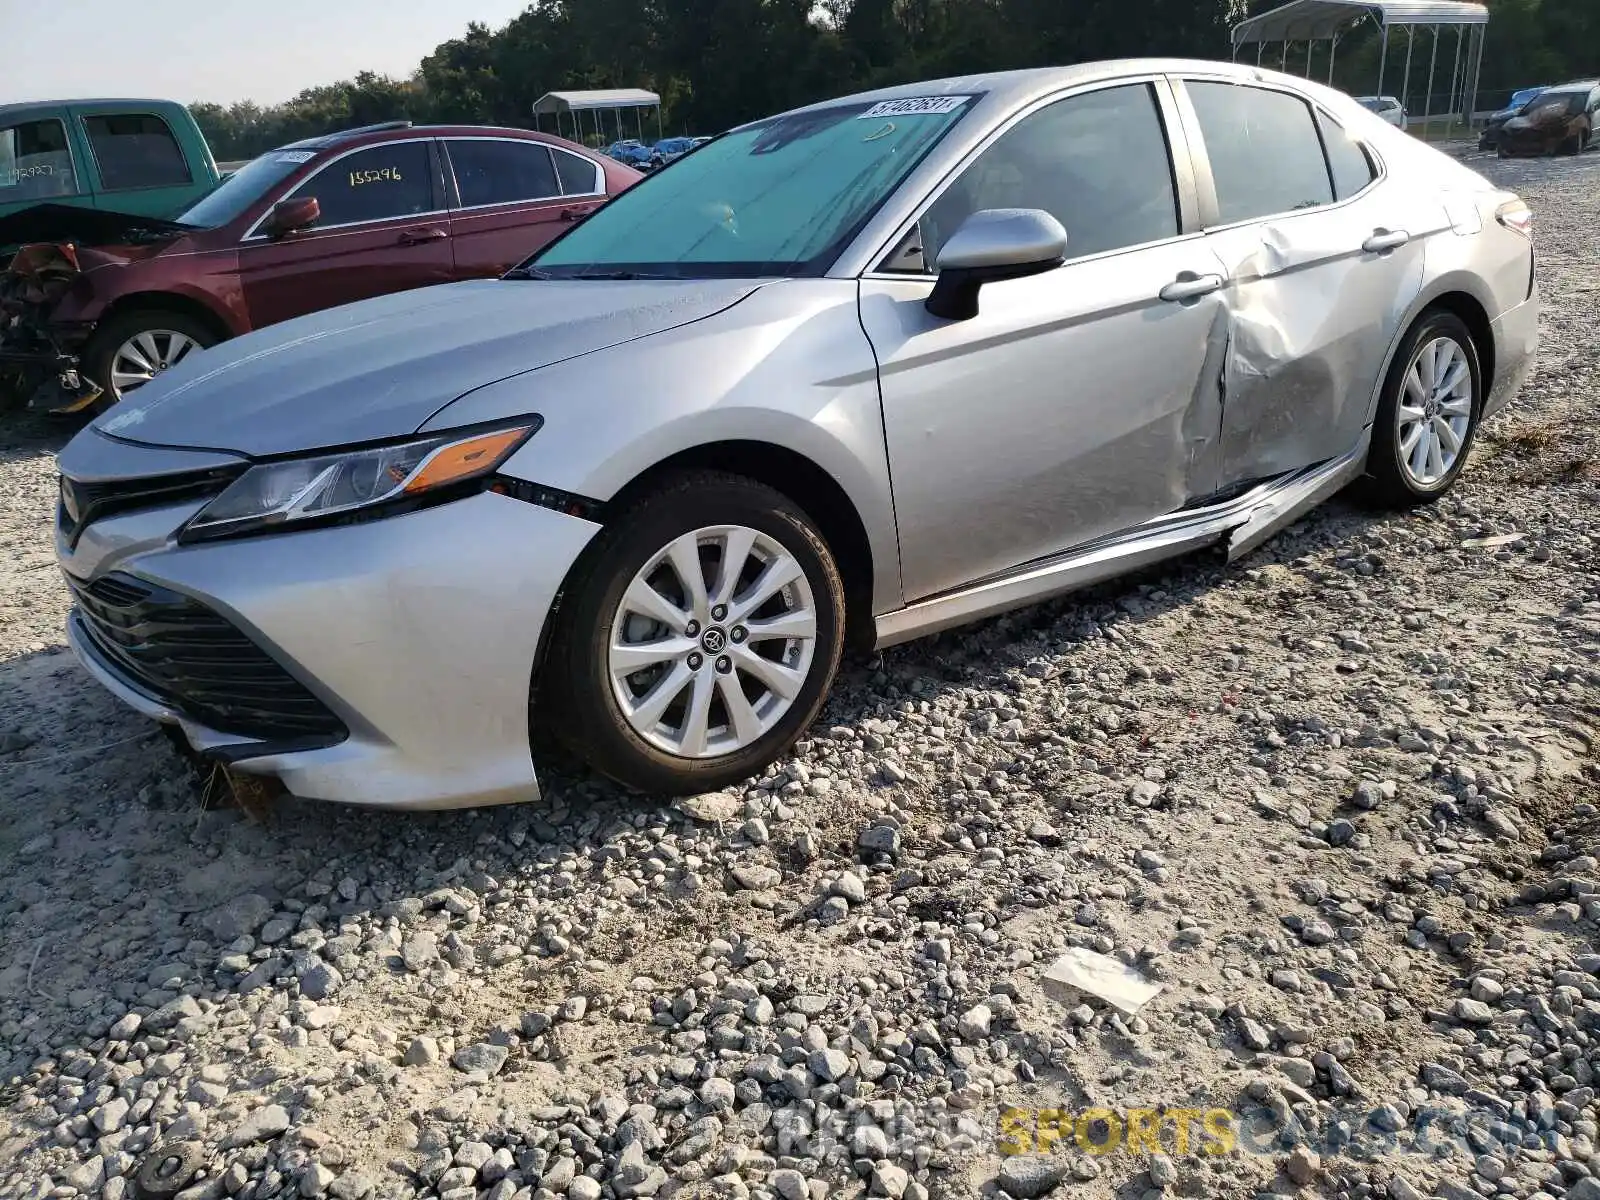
{"x": 612, "y": 100}
{"x": 1313, "y": 21}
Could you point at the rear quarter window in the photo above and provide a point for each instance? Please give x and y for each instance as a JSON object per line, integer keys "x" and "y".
{"x": 1349, "y": 162}
{"x": 136, "y": 150}
{"x": 579, "y": 176}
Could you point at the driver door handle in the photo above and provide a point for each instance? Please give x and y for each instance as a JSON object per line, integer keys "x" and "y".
{"x": 577, "y": 212}
{"x": 1189, "y": 286}
{"x": 1384, "y": 240}
{"x": 415, "y": 237}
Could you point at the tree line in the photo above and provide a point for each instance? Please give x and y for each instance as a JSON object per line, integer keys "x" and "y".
{"x": 716, "y": 63}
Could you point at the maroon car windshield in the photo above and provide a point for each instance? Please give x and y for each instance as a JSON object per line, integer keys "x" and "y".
{"x": 229, "y": 199}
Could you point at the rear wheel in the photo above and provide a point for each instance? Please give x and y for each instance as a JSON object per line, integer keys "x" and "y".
{"x": 1428, "y": 414}
{"x": 132, "y": 348}
{"x": 699, "y": 638}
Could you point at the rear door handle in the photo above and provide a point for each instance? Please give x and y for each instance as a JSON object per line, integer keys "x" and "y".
{"x": 1383, "y": 240}
{"x": 415, "y": 237}
{"x": 577, "y": 212}
{"x": 1189, "y": 286}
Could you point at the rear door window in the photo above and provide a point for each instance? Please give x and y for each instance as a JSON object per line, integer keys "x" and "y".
{"x": 378, "y": 183}
{"x": 136, "y": 150}
{"x": 501, "y": 172}
{"x": 1266, "y": 158}
{"x": 35, "y": 162}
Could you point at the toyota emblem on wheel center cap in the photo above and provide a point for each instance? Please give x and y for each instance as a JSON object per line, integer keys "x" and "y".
{"x": 714, "y": 640}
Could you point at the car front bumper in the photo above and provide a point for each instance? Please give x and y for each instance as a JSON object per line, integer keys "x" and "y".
{"x": 419, "y": 633}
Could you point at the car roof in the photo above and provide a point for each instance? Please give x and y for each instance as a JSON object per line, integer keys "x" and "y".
{"x": 1013, "y": 88}
{"x": 25, "y": 108}
{"x": 371, "y": 135}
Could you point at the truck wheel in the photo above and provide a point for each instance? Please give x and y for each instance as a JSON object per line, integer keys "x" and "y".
{"x": 132, "y": 348}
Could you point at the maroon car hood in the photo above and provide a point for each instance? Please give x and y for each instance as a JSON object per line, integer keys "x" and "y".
{"x": 85, "y": 227}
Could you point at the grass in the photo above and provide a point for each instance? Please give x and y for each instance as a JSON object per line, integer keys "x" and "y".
{"x": 1533, "y": 451}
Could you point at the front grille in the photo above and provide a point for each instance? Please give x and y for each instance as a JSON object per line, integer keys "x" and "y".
{"x": 84, "y": 502}
{"x": 191, "y": 659}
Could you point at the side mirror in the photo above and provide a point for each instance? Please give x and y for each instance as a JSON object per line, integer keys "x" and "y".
{"x": 289, "y": 215}
{"x": 992, "y": 245}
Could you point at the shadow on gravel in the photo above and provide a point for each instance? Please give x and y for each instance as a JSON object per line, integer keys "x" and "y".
{"x": 25, "y": 435}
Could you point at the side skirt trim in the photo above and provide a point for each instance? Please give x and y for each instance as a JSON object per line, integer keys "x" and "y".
{"x": 1250, "y": 519}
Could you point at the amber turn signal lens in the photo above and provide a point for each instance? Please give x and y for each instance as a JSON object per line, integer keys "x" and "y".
{"x": 465, "y": 459}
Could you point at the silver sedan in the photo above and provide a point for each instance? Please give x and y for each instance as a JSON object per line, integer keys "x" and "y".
{"x": 843, "y": 376}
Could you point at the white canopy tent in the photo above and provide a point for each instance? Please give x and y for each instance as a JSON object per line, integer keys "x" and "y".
{"x": 1313, "y": 21}
{"x": 596, "y": 103}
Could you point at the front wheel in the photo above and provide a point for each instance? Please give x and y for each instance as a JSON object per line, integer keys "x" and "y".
{"x": 699, "y": 638}
{"x": 132, "y": 348}
{"x": 1428, "y": 414}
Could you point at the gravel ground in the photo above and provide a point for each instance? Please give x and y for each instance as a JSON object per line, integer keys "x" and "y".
{"x": 1337, "y": 800}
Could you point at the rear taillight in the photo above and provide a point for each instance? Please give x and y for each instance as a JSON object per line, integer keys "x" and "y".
{"x": 1515, "y": 214}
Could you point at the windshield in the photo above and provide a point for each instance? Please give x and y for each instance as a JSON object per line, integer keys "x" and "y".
{"x": 243, "y": 188}
{"x": 781, "y": 197}
{"x": 1570, "y": 105}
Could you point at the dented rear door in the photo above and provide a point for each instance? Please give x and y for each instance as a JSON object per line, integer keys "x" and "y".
{"x": 1322, "y": 260}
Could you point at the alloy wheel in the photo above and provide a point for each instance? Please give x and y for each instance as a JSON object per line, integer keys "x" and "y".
{"x": 145, "y": 355}
{"x": 1434, "y": 412}
{"x": 712, "y": 642}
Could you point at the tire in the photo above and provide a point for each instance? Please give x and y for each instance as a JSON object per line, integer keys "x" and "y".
{"x": 99, "y": 357}
{"x": 584, "y": 685}
{"x": 167, "y": 1169}
{"x": 1573, "y": 145}
{"x": 1393, "y": 478}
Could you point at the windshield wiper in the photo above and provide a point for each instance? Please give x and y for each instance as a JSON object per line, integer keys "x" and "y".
{"x": 622, "y": 275}
{"x": 525, "y": 273}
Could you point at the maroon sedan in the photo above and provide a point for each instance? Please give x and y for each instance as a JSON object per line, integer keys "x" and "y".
{"x": 314, "y": 224}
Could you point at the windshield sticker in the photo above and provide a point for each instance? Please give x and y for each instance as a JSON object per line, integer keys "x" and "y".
{"x": 915, "y": 106}
{"x": 384, "y": 174}
{"x": 297, "y": 156}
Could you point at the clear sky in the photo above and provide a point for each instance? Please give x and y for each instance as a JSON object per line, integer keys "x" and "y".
{"x": 222, "y": 50}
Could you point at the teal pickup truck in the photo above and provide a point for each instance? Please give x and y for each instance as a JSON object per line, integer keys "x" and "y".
{"x": 141, "y": 157}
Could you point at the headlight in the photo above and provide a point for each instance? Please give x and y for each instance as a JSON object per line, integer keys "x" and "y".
{"x": 299, "y": 491}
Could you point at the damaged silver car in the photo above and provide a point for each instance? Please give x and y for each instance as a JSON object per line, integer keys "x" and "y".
{"x": 855, "y": 373}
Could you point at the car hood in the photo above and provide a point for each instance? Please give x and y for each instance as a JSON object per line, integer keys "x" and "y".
{"x": 85, "y": 226}
{"x": 380, "y": 368}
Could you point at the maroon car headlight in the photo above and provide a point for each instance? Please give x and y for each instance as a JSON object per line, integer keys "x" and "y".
{"x": 355, "y": 484}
